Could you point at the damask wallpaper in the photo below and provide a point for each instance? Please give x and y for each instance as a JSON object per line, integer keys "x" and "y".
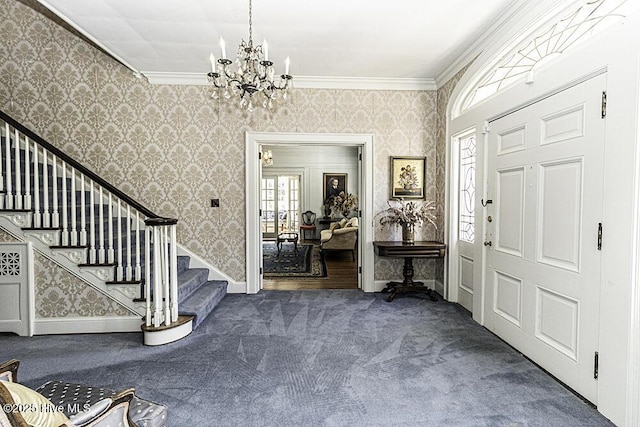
{"x": 174, "y": 148}
{"x": 61, "y": 294}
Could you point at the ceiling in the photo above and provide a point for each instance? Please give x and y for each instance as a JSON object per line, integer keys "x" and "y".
{"x": 412, "y": 40}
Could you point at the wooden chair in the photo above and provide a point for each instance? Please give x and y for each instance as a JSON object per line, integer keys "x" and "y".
{"x": 308, "y": 224}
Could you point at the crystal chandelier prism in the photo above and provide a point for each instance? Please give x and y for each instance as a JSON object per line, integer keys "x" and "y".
{"x": 255, "y": 74}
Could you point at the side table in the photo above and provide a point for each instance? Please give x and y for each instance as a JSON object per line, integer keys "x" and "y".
{"x": 287, "y": 237}
{"x": 408, "y": 251}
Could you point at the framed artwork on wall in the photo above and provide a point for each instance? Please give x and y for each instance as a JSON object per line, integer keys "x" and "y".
{"x": 408, "y": 175}
{"x": 334, "y": 183}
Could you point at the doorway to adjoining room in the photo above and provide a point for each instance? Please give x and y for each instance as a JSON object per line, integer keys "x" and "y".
{"x": 295, "y": 214}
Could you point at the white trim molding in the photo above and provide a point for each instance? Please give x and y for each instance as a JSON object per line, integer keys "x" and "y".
{"x": 307, "y": 82}
{"x": 86, "y": 325}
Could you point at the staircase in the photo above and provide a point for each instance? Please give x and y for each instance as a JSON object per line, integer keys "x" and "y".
{"x": 98, "y": 233}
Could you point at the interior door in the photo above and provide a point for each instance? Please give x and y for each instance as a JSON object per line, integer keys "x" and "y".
{"x": 545, "y": 169}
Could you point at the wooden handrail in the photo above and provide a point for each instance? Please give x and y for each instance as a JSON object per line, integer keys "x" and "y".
{"x": 76, "y": 165}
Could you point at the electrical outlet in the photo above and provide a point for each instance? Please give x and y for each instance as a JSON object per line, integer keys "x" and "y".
{"x": 215, "y": 203}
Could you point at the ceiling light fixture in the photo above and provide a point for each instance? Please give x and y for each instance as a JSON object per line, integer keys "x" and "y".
{"x": 255, "y": 73}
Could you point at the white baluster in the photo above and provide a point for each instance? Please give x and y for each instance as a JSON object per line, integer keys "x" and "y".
{"x": 137, "y": 267}
{"x": 4, "y": 132}
{"x": 83, "y": 214}
{"x": 46, "y": 213}
{"x": 74, "y": 209}
{"x": 27, "y": 174}
{"x": 120, "y": 269}
{"x": 157, "y": 276}
{"x": 165, "y": 275}
{"x": 37, "y": 213}
{"x": 16, "y": 160}
{"x": 147, "y": 274}
{"x": 55, "y": 218}
{"x": 65, "y": 219}
{"x": 129, "y": 272}
{"x": 8, "y": 198}
{"x": 173, "y": 254}
{"x": 110, "y": 255}
{"x": 93, "y": 246}
{"x": 101, "y": 251}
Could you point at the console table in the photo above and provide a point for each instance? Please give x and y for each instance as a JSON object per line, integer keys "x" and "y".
{"x": 408, "y": 251}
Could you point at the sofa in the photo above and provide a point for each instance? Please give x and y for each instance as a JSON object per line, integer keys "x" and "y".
{"x": 341, "y": 236}
{"x": 57, "y": 403}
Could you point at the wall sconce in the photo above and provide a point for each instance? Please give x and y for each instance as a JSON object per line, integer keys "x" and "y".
{"x": 267, "y": 158}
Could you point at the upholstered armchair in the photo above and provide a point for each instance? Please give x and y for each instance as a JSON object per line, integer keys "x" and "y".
{"x": 56, "y": 404}
{"x": 341, "y": 236}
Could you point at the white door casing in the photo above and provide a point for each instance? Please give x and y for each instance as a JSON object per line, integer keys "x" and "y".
{"x": 253, "y": 171}
{"x": 545, "y": 176}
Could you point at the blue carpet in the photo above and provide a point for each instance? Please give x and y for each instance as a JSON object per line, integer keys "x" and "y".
{"x": 318, "y": 358}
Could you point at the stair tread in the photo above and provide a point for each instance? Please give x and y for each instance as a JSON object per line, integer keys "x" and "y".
{"x": 204, "y": 300}
{"x": 190, "y": 280}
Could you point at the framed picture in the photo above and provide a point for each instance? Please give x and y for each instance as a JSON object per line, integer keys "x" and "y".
{"x": 334, "y": 183}
{"x": 407, "y": 177}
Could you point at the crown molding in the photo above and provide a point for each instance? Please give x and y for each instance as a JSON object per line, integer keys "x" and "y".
{"x": 307, "y": 82}
{"x": 369, "y": 83}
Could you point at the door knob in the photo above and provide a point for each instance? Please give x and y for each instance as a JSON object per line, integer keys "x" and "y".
{"x": 487, "y": 243}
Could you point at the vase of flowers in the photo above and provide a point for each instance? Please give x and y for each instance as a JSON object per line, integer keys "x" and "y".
{"x": 408, "y": 233}
{"x": 408, "y": 215}
{"x": 344, "y": 203}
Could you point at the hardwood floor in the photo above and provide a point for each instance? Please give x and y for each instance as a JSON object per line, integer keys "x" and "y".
{"x": 342, "y": 273}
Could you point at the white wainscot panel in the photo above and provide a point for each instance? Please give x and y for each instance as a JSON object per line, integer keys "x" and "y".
{"x": 557, "y": 321}
{"x": 512, "y": 140}
{"x": 466, "y": 274}
{"x": 507, "y": 298}
{"x": 560, "y": 213}
{"x": 562, "y": 125}
{"x": 510, "y": 221}
{"x": 10, "y": 301}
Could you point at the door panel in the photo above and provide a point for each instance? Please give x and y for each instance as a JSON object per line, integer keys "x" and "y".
{"x": 560, "y": 217}
{"x": 510, "y": 218}
{"x": 545, "y": 173}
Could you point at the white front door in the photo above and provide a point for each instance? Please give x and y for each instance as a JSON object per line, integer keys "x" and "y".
{"x": 545, "y": 173}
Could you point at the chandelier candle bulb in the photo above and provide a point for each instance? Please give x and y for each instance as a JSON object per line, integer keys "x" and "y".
{"x": 265, "y": 46}
{"x": 287, "y": 62}
{"x": 223, "y": 48}
{"x": 212, "y": 58}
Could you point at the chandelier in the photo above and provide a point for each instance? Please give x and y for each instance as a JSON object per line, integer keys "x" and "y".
{"x": 254, "y": 74}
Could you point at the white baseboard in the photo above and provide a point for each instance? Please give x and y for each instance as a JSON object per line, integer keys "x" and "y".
{"x": 86, "y": 325}
{"x": 237, "y": 288}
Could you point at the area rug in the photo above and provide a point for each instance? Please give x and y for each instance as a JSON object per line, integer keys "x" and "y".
{"x": 306, "y": 262}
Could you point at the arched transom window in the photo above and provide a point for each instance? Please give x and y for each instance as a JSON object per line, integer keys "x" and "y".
{"x": 585, "y": 20}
